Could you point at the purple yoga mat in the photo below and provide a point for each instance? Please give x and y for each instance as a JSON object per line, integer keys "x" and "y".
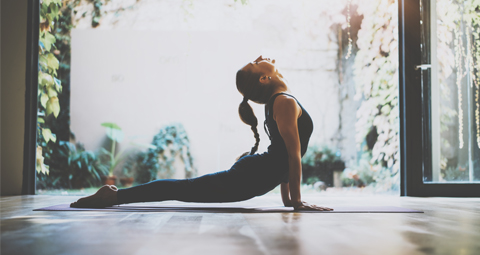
{"x": 228, "y": 209}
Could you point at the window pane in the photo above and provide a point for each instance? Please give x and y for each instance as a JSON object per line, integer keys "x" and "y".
{"x": 454, "y": 89}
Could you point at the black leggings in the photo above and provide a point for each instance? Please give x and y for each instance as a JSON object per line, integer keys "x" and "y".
{"x": 251, "y": 176}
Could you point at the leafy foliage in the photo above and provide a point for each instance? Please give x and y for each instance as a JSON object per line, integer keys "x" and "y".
{"x": 49, "y": 86}
{"x": 376, "y": 83}
{"x": 53, "y": 129}
{"x": 456, "y": 174}
{"x": 130, "y": 165}
{"x": 322, "y": 154}
{"x": 376, "y": 76}
{"x": 71, "y": 166}
{"x": 170, "y": 144}
{"x": 364, "y": 173}
{"x": 318, "y": 163}
{"x": 97, "y": 11}
{"x": 458, "y": 48}
{"x": 115, "y": 133}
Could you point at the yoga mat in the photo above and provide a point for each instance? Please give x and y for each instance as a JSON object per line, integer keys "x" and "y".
{"x": 229, "y": 209}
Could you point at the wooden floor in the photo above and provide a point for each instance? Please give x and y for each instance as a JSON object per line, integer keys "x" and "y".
{"x": 448, "y": 226}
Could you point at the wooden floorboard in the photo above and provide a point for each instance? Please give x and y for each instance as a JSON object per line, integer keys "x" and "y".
{"x": 448, "y": 226}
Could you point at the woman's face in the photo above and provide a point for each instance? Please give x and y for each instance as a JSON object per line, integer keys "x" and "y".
{"x": 269, "y": 81}
{"x": 264, "y": 66}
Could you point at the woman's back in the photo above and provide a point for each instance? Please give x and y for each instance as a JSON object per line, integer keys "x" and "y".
{"x": 304, "y": 123}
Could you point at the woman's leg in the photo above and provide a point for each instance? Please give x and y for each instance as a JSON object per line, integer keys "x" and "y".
{"x": 217, "y": 187}
{"x": 243, "y": 181}
{"x": 225, "y": 186}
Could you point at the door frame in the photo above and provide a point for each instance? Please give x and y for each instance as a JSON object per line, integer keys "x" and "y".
{"x": 413, "y": 140}
{"x": 415, "y": 137}
{"x": 31, "y": 99}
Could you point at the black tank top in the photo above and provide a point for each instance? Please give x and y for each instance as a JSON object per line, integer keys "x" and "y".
{"x": 277, "y": 146}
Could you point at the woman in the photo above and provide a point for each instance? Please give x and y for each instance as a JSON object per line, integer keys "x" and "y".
{"x": 289, "y": 128}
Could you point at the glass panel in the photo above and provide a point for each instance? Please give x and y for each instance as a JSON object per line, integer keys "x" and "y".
{"x": 451, "y": 45}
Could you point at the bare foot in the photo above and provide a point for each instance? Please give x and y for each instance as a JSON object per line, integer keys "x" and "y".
{"x": 106, "y": 196}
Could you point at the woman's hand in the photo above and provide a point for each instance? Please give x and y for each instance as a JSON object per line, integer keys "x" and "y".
{"x": 304, "y": 206}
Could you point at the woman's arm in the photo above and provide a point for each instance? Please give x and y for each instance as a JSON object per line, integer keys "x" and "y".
{"x": 286, "y": 111}
{"x": 286, "y": 195}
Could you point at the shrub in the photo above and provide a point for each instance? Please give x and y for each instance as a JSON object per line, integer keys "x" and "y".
{"x": 365, "y": 173}
{"x": 71, "y": 166}
{"x": 168, "y": 145}
{"x": 319, "y": 164}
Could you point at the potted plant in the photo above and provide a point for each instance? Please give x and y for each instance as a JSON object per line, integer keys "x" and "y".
{"x": 126, "y": 181}
{"x": 128, "y": 168}
{"x": 85, "y": 168}
{"x": 323, "y": 164}
{"x": 115, "y": 134}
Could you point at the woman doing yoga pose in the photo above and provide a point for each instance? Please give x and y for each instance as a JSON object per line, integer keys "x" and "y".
{"x": 287, "y": 124}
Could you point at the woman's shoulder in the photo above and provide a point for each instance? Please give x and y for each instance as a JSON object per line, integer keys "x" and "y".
{"x": 286, "y": 103}
{"x": 285, "y": 100}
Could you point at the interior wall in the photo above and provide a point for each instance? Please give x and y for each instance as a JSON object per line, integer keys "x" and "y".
{"x": 13, "y": 65}
{"x": 144, "y": 69}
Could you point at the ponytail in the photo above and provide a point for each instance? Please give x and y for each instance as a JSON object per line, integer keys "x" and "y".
{"x": 248, "y": 117}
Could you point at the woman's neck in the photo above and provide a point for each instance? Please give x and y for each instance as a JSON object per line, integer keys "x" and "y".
{"x": 280, "y": 90}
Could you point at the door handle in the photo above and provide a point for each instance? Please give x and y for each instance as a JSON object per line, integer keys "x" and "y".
{"x": 423, "y": 66}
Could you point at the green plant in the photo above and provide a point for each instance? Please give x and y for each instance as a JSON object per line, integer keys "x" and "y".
{"x": 323, "y": 154}
{"x": 456, "y": 174}
{"x": 375, "y": 69}
{"x": 48, "y": 85}
{"x": 85, "y": 168}
{"x": 364, "y": 173}
{"x": 71, "y": 166}
{"x": 56, "y": 22}
{"x": 115, "y": 134}
{"x": 169, "y": 144}
{"x": 360, "y": 174}
{"x": 130, "y": 164}
{"x": 318, "y": 163}
{"x": 312, "y": 180}
{"x": 458, "y": 40}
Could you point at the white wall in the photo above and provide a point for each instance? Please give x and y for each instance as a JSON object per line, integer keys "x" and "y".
{"x": 148, "y": 67}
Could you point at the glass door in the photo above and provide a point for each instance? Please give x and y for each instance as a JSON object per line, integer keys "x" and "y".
{"x": 450, "y": 80}
{"x": 439, "y": 55}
